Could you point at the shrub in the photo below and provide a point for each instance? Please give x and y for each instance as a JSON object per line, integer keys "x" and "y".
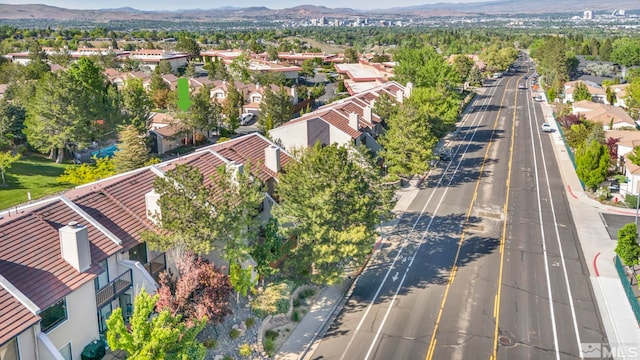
{"x": 296, "y": 303}
{"x": 245, "y": 350}
{"x": 295, "y": 316}
{"x": 269, "y": 346}
{"x": 630, "y": 200}
{"x": 234, "y": 333}
{"x": 274, "y": 299}
{"x": 209, "y": 343}
{"x": 306, "y": 293}
{"x": 250, "y": 322}
{"x": 271, "y": 334}
{"x": 227, "y": 357}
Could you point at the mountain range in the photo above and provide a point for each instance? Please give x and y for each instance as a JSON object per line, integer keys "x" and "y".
{"x": 496, "y": 7}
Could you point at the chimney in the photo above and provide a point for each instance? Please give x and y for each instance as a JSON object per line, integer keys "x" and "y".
{"x": 408, "y": 89}
{"x": 151, "y": 201}
{"x": 272, "y": 158}
{"x": 235, "y": 168}
{"x": 294, "y": 95}
{"x": 74, "y": 245}
{"x": 399, "y": 96}
{"x": 367, "y": 114}
{"x": 353, "y": 121}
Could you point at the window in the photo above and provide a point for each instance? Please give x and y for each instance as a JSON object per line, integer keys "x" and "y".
{"x": 66, "y": 352}
{"x": 53, "y": 315}
{"x": 103, "y": 315}
{"x": 9, "y": 351}
{"x": 139, "y": 253}
{"x": 103, "y": 279}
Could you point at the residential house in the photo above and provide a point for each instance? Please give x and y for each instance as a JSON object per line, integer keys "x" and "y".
{"x": 347, "y": 121}
{"x": 298, "y": 58}
{"x": 69, "y": 270}
{"x": 627, "y": 140}
{"x": 252, "y": 93}
{"x": 611, "y": 117}
{"x": 598, "y": 94}
{"x": 363, "y": 76}
{"x": 621, "y": 92}
{"x": 165, "y": 133}
{"x": 67, "y": 262}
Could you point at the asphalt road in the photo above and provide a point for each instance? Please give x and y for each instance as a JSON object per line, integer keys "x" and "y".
{"x": 485, "y": 264}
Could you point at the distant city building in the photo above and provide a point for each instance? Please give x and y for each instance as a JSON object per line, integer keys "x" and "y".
{"x": 587, "y": 15}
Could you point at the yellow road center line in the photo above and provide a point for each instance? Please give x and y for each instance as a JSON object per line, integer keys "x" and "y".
{"x": 432, "y": 342}
{"x": 494, "y": 356}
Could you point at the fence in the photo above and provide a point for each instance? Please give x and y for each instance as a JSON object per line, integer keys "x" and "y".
{"x": 628, "y": 288}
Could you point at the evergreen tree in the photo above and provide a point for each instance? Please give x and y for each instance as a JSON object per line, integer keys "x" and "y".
{"x": 137, "y": 105}
{"x": 200, "y": 114}
{"x": 132, "y": 150}
{"x": 275, "y": 105}
{"x": 164, "y": 67}
{"x": 232, "y": 107}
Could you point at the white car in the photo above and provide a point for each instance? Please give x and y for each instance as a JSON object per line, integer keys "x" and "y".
{"x": 246, "y": 118}
{"x": 547, "y": 128}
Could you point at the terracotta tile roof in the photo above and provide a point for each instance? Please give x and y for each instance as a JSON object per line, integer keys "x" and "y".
{"x": 603, "y": 113}
{"x": 14, "y": 316}
{"x": 167, "y": 131}
{"x": 30, "y": 255}
{"x": 161, "y": 118}
{"x": 205, "y": 161}
{"x": 250, "y": 148}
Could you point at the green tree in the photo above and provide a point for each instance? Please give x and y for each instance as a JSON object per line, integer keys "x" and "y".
{"x": 276, "y": 106}
{"x": 634, "y": 156}
{"x": 239, "y": 67}
{"x": 136, "y": 105}
{"x": 132, "y": 152}
{"x": 331, "y": 202}
{"x": 592, "y": 162}
{"x": 154, "y": 337}
{"x": 222, "y": 215}
{"x": 463, "y": 65}
{"x": 268, "y": 249}
{"x": 6, "y": 160}
{"x": 164, "y": 67}
{"x": 186, "y": 43}
{"x": 307, "y": 68}
{"x": 87, "y": 173}
{"x": 408, "y": 143}
{"x": 241, "y": 280}
{"x": 581, "y": 92}
{"x": 626, "y": 51}
{"x": 12, "y": 117}
{"x": 199, "y": 116}
{"x": 216, "y": 70}
{"x": 627, "y": 248}
{"x": 232, "y": 107}
{"x": 385, "y": 107}
{"x": 605, "y": 50}
{"x": 424, "y": 67}
{"x": 475, "y": 77}
{"x": 272, "y": 53}
{"x": 190, "y": 70}
{"x": 351, "y": 55}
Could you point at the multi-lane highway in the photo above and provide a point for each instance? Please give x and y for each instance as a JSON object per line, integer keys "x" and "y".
{"x": 485, "y": 263}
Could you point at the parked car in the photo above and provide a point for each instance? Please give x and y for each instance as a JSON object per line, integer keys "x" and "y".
{"x": 547, "y": 128}
{"x": 246, "y": 118}
{"x": 538, "y": 98}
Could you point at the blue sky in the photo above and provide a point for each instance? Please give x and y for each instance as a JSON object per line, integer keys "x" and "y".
{"x": 193, "y": 4}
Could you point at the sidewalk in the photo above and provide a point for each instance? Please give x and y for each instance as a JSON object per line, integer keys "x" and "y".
{"x": 304, "y": 338}
{"x": 599, "y": 250}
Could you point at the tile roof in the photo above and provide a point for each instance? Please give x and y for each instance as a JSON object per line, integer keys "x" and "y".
{"x": 250, "y": 148}
{"x": 603, "y": 113}
{"x": 14, "y": 316}
{"x": 30, "y": 255}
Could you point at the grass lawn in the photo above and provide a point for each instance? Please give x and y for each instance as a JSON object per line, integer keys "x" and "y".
{"x": 32, "y": 173}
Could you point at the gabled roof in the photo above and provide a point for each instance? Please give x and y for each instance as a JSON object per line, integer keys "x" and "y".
{"x": 250, "y": 148}
{"x": 594, "y": 89}
{"x": 602, "y": 113}
{"x": 14, "y": 316}
{"x": 629, "y": 138}
{"x": 30, "y": 254}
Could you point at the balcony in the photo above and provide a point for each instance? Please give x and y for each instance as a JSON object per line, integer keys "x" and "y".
{"x": 157, "y": 265}
{"x": 114, "y": 289}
